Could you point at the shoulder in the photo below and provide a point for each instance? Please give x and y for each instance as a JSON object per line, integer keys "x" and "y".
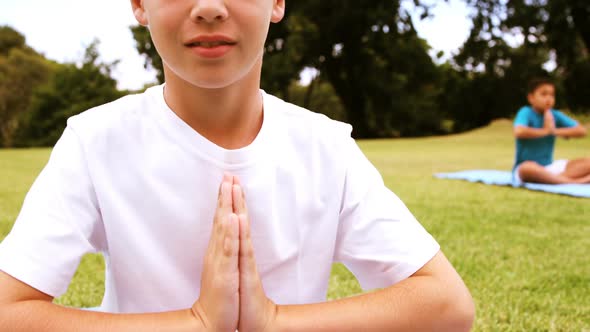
{"x": 304, "y": 124}
{"x": 524, "y": 116}
{"x": 525, "y": 110}
{"x": 311, "y": 139}
{"x": 558, "y": 113}
{"x": 113, "y": 120}
{"x": 563, "y": 119}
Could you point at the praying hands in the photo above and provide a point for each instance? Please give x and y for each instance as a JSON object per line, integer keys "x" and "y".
{"x": 232, "y": 296}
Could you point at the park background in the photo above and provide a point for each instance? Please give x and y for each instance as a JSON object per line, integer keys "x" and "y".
{"x": 521, "y": 253}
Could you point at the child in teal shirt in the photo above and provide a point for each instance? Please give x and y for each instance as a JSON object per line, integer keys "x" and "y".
{"x": 535, "y": 127}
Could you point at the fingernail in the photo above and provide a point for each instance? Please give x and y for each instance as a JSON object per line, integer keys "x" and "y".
{"x": 227, "y": 176}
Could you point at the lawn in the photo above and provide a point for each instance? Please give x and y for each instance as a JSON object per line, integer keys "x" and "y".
{"x": 523, "y": 254}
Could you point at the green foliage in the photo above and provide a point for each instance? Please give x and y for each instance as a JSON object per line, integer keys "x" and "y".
{"x": 319, "y": 97}
{"x": 494, "y": 74}
{"x": 9, "y": 39}
{"x": 21, "y": 71}
{"x": 286, "y": 54}
{"x": 72, "y": 90}
{"x": 145, "y": 47}
{"x": 577, "y": 86}
{"x": 378, "y": 66}
{"x": 559, "y": 25}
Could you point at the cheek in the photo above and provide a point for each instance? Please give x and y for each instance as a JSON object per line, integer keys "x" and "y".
{"x": 166, "y": 23}
{"x": 254, "y": 17}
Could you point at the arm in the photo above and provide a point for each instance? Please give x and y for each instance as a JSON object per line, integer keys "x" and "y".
{"x": 433, "y": 299}
{"x": 23, "y": 308}
{"x": 378, "y": 238}
{"x": 567, "y": 127}
{"x": 577, "y": 131}
{"x": 524, "y": 132}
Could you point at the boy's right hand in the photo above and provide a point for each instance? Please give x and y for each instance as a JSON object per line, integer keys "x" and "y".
{"x": 218, "y": 305}
{"x": 549, "y": 122}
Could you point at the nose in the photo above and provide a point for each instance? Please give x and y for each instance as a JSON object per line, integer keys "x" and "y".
{"x": 209, "y": 11}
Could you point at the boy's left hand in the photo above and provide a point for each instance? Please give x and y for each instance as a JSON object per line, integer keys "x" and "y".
{"x": 549, "y": 122}
{"x": 257, "y": 311}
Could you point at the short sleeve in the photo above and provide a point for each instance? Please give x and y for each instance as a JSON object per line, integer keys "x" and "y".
{"x": 563, "y": 121}
{"x": 58, "y": 223}
{"x": 378, "y": 239}
{"x": 522, "y": 118}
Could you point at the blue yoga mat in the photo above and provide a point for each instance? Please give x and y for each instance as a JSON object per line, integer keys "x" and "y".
{"x": 504, "y": 178}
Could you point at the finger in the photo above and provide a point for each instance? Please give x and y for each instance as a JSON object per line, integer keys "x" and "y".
{"x": 223, "y": 209}
{"x": 225, "y": 199}
{"x": 237, "y": 181}
{"x": 227, "y": 177}
{"x": 242, "y": 196}
{"x": 239, "y": 203}
{"x": 247, "y": 262}
{"x": 231, "y": 241}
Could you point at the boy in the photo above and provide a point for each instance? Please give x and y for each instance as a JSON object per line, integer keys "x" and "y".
{"x": 138, "y": 180}
{"x": 535, "y": 129}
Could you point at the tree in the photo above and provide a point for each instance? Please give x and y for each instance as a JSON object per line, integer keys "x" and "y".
{"x": 324, "y": 99}
{"x": 286, "y": 55}
{"x": 9, "y": 39}
{"x": 556, "y": 30}
{"x": 370, "y": 53}
{"x": 145, "y": 47}
{"x": 72, "y": 90}
{"x": 21, "y": 71}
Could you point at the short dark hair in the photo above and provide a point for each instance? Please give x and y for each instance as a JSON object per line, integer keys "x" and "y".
{"x": 535, "y": 83}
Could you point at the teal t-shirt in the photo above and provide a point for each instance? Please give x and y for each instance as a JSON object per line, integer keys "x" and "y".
{"x": 540, "y": 149}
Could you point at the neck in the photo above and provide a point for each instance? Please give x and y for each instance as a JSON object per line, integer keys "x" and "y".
{"x": 230, "y": 117}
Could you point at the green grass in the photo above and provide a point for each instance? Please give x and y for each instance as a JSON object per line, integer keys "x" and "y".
{"x": 523, "y": 254}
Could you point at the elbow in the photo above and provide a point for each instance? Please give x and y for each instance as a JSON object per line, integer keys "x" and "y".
{"x": 460, "y": 312}
{"x": 465, "y": 316}
{"x": 518, "y": 132}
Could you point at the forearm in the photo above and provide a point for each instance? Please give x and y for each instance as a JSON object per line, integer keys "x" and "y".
{"x": 529, "y": 133}
{"x": 578, "y": 131}
{"x": 415, "y": 304}
{"x": 38, "y": 315}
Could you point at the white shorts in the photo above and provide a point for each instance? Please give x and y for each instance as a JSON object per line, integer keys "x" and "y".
{"x": 556, "y": 167}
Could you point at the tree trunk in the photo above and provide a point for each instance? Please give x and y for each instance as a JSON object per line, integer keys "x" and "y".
{"x": 7, "y": 130}
{"x": 309, "y": 91}
{"x": 351, "y": 95}
{"x": 581, "y": 16}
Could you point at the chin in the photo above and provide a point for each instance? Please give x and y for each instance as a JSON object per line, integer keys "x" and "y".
{"x": 214, "y": 79}
{"x": 211, "y": 84}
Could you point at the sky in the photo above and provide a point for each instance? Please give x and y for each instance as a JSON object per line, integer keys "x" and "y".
{"x": 61, "y": 30}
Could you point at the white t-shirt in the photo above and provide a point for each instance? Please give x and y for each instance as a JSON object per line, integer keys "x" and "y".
{"x": 132, "y": 180}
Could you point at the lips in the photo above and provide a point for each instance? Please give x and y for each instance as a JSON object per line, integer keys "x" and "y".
{"x": 210, "y": 41}
{"x": 211, "y": 46}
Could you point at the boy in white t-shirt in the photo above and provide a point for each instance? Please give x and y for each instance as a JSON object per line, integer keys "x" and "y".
{"x": 139, "y": 181}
